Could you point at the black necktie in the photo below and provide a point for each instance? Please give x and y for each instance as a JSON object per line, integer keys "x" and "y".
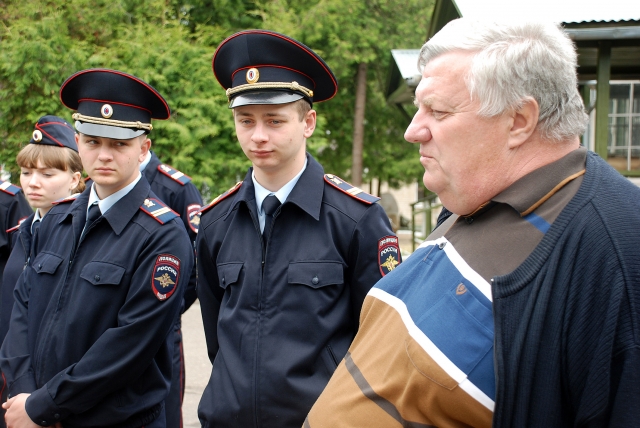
{"x": 269, "y": 205}
{"x": 34, "y": 227}
{"x": 93, "y": 215}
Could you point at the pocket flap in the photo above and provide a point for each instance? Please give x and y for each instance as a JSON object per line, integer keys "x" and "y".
{"x": 316, "y": 274}
{"x": 46, "y": 263}
{"x": 228, "y": 273}
{"x": 99, "y": 273}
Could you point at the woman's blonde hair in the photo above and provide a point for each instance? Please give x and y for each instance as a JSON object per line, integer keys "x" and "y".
{"x": 61, "y": 158}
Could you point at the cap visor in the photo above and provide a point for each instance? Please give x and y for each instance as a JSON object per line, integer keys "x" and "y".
{"x": 108, "y": 131}
{"x": 271, "y": 97}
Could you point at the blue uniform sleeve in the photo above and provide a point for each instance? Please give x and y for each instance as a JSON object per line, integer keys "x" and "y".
{"x": 15, "y": 360}
{"x": 372, "y": 232}
{"x": 189, "y": 202}
{"x": 209, "y": 293}
{"x": 123, "y": 352}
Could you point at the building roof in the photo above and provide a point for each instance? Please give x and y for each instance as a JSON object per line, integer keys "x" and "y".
{"x": 561, "y": 11}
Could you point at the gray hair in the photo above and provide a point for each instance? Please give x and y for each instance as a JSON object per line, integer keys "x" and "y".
{"x": 517, "y": 60}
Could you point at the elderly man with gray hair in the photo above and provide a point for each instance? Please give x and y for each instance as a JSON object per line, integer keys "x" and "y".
{"x": 522, "y": 308}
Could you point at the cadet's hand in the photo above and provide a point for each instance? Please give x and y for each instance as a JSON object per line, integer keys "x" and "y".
{"x": 16, "y": 416}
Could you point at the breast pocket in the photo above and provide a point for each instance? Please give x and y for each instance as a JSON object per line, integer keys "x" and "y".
{"x": 229, "y": 273}
{"x": 102, "y": 273}
{"x": 46, "y": 263}
{"x": 316, "y": 274}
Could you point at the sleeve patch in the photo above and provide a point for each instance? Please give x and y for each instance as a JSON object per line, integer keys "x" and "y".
{"x": 174, "y": 174}
{"x": 193, "y": 212}
{"x": 389, "y": 256}
{"x": 166, "y": 273}
{"x": 354, "y": 192}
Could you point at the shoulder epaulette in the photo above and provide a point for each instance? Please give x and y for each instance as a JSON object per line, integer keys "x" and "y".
{"x": 219, "y": 198}
{"x": 354, "y": 192}
{"x": 67, "y": 199}
{"x": 17, "y": 226}
{"x": 9, "y": 188}
{"x": 158, "y": 210}
{"x": 174, "y": 174}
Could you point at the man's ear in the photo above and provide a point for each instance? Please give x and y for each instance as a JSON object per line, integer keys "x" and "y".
{"x": 310, "y": 123}
{"x": 144, "y": 148}
{"x": 525, "y": 120}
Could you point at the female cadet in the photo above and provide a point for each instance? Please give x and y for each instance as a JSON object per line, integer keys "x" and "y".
{"x": 50, "y": 169}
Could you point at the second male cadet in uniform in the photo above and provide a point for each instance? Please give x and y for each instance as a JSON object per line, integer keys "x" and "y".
{"x": 285, "y": 257}
{"x": 91, "y": 344}
{"x": 177, "y": 191}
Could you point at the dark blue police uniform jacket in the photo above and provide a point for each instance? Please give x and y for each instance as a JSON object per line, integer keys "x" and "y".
{"x": 21, "y": 244}
{"x": 277, "y": 326}
{"x": 13, "y": 207}
{"x": 89, "y": 331}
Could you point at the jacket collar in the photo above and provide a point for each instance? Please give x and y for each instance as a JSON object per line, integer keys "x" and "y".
{"x": 119, "y": 215}
{"x": 306, "y": 194}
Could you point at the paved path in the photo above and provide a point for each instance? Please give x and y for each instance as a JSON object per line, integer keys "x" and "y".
{"x": 198, "y": 367}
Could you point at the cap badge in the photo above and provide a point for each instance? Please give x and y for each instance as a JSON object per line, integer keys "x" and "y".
{"x": 106, "y": 111}
{"x": 37, "y": 136}
{"x": 253, "y": 75}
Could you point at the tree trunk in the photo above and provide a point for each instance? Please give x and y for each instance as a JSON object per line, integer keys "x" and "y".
{"x": 358, "y": 125}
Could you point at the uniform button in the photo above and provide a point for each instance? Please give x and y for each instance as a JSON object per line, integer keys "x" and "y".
{"x": 223, "y": 281}
{"x": 315, "y": 280}
{"x": 44, "y": 423}
{"x": 97, "y": 278}
{"x": 39, "y": 265}
{"x": 469, "y": 220}
{"x": 441, "y": 245}
{"x": 57, "y": 416}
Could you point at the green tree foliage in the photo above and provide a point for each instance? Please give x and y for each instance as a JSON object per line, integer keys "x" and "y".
{"x": 170, "y": 43}
{"x": 346, "y": 33}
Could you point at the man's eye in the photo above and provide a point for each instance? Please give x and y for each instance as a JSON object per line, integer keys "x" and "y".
{"x": 437, "y": 114}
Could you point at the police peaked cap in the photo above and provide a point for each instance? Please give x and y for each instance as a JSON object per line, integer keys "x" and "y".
{"x": 54, "y": 131}
{"x": 264, "y": 67}
{"x": 112, "y": 104}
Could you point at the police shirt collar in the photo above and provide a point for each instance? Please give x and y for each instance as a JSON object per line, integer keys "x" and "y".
{"x": 146, "y": 161}
{"x": 151, "y": 168}
{"x": 307, "y": 194}
{"x": 106, "y": 203}
{"x": 282, "y": 194}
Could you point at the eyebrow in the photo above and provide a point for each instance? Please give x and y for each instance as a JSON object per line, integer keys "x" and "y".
{"x": 428, "y": 101}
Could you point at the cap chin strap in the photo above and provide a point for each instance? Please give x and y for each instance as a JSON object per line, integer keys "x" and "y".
{"x": 294, "y": 86}
{"x": 112, "y": 122}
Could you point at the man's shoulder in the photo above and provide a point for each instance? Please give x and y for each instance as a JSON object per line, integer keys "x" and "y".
{"x": 220, "y": 202}
{"x": 348, "y": 199}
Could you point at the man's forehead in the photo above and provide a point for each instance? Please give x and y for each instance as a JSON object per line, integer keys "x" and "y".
{"x": 264, "y": 110}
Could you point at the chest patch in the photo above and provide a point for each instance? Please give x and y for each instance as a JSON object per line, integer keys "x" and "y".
{"x": 166, "y": 273}
{"x": 389, "y": 256}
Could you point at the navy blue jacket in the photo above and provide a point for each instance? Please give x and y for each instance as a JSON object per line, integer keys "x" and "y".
{"x": 89, "y": 334}
{"x": 13, "y": 208}
{"x": 277, "y": 325}
{"x": 21, "y": 243}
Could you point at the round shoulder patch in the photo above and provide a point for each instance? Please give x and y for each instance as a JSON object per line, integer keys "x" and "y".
{"x": 164, "y": 280}
{"x": 389, "y": 256}
{"x": 193, "y": 212}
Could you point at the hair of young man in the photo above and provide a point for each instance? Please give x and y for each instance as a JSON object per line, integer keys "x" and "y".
{"x": 62, "y": 158}
{"x": 517, "y": 60}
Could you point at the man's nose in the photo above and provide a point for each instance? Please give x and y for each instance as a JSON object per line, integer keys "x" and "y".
{"x": 417, "y": 132}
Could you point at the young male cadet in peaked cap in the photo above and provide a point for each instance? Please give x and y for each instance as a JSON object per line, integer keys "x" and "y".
{"x": 91, "y": 344}
{"x": 175, "y": 189}
{"x": 286, "y": 256}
